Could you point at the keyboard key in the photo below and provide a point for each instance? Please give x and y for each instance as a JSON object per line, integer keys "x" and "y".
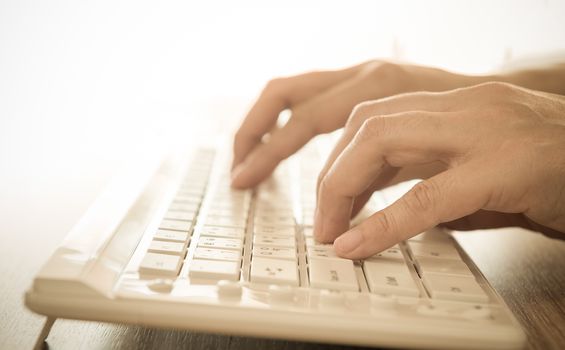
{"x": 274, "y": 271}
{"x": 446, "y": 266}
{"x": 226, "y": 232}
{"x": 336, "y": 274}
{"x": 321, "y": 252}
{"x": 433, "y": 250}
{"x": 308, "y": 220}
{"x": 163, "y": 247}
{"x": 391, "y": 253}
{"x": 171, "y": 236}
{"x": 274, "y": 220}
{"x": 218, "y": 270}
{"x": 184, "y": 199}
{"x": 197, "y": 192}
{"x": 274, "y": 230}
{"x": 191, "y": 207}
{"x": 434, "y": 235}
{"x": 160, "y": 264}
{"x": 311, "y": 242}
{"x": 274, "y": 241}
{"x": 308, "y": 232}
{"x": 220, "y": 243}
{"x": 390, "y": 276}
{"x": 450, "y": 287}
{"x": 216, "y": 254}
{"x": 274, "y": 252}
{"x": 181, "y": 215}
{"x": 175, "y": 225}
{"x": 238, "y": 213}
{"x": 225, "y": 221}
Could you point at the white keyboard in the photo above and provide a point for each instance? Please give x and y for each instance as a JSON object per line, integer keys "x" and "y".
{"x": 193, "y": 253}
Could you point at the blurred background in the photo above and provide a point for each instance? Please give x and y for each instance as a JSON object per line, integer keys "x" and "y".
{"x": 84, "y": 84}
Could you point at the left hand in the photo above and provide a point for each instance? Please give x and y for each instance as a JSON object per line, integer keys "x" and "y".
{"x": 497, "y": 157}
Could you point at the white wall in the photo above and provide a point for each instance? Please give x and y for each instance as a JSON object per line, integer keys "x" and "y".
{"x": 83, "y": 83}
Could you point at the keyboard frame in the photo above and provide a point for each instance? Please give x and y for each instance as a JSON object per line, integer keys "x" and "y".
{"x": 84, "y": 279}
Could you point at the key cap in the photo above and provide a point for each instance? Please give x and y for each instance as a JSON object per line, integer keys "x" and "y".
{"x": 265, "y": 211}
{"x": 390, "y": 276}
{"x": 274, "y": 241}
{"x": 175, "y": 225}
{"x": 391, "y": 253}
{"x": 308, "y": 220}
{"x": 446, "y": 266}
{"x": 220, "y": 243}
{"x": 274, "y": 271}
{"x": 274, "y": 252}
{"x": 311, "y": 242}
{"x": 211, "y": 269}
{"x": 163, "y": 247}
{"x": 338, "y": 274}
{"x": 451, "y": 287}
{"x": 171, "y": 236}
{"x": 191, "y": 191}
{"x": 321, "y": 252}
{"x": 274, "y": 220}
{"x": 433, "y": 235}
{"x": 180, "y": 215}
{"x": 238, "y": 213}
{"x": 183, "y": 199}
{"x": 273, "y": 230}
{"x": 160, "y": 264}
{"x": 216, "y": 254}
{"x": 225, "y": 221}
{"x": 225, "y": 232}
{"x": 309, "y": 232}
{"x": 433, "y": 250}
{"x": 183, "y": 207}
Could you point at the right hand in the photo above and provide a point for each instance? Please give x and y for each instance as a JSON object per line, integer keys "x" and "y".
{"x": 320, "y": 102}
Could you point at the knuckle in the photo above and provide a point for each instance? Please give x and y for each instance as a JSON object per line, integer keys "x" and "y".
{"x": 421, "y": 197}
{"x": 359, "y": 113}
{"x": 328, "y": 185}
{"x": 274, "y": 86}
{"x": 495, "y": 88}
{"x": 383, "y": 70}
{"x": 374, "y": 127}
{"x": 383, "y": 224}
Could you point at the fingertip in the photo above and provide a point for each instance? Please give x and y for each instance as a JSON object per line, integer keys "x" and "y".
{"x": 348, "y": 242}
{"x": 242, "y": 177}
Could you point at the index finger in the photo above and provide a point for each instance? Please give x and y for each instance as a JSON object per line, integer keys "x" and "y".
{"x": 396, "y": 140}
{"x": 278, "y": 95}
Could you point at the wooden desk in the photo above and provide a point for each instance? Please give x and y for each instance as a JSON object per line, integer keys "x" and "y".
{"x": 527, "y": 269}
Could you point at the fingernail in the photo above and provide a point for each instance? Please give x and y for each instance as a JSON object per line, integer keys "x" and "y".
{"x": 236, "y": 173}
{"x": 348, "y": 241}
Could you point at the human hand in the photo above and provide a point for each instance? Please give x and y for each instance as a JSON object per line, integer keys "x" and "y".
{"x": 320, "y": 102}
{"x": 502, "y": 154}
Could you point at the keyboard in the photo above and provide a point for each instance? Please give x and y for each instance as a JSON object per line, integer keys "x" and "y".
{"x": 180, "y": 248}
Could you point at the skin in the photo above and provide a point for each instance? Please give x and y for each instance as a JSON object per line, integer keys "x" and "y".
{"x": 491, "y": 154}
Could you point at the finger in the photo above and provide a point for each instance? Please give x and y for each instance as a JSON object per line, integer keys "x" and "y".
{"x": 392, "y": 176}
{"x": 420, "y": 101}
{"x": 382, "y": 180}
{"x": 445, "y": 197}
{"x": 396, "y": 140}
{"x": 278, "y": 95}
{"x": 324, "y": 113}
{"x": 263, "y": 159}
